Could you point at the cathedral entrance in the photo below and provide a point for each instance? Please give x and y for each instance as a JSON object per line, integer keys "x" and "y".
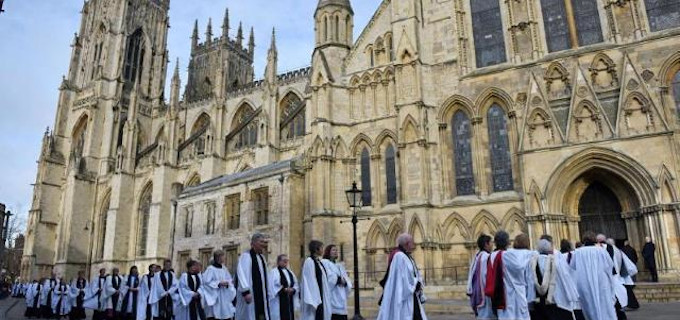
{"x": 600, "y": 212}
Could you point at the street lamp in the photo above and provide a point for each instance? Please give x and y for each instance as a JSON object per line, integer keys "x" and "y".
{"x": 354, "y": 198}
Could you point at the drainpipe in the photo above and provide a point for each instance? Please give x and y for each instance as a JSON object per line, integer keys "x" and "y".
{"x": 172, "y": 234}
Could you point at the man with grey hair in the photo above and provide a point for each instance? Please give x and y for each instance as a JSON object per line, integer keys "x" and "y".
{"x": 403, "y": 276}
{"x": 218, "y": 289}
{"x": 252, "y": 297}
{"x": 284, "y": 290}
{"x": 553, "y": 291}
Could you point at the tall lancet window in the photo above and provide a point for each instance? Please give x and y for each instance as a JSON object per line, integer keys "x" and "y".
{"x": 571, "y": 23}
{"x": 292, "y": 117}
{"x": 134, "y": 56}
{"x": 144, "y": 212}
{"x": 663, "y": 14}
{"x": 366, "y": 177}
{"x": 210, "y": 215}
{"x": 499, "y": 149}
{"x": 487, "y": 29}
{"x": 103, "y": 215}
{"x": 391, "y": 175}
{"x": 462, "y": 152}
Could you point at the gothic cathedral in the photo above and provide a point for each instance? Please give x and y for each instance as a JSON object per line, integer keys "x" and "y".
{"x": 454, "y": 117}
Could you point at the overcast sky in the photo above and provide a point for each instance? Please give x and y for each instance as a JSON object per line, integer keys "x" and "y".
{"x": 35, "y": 37}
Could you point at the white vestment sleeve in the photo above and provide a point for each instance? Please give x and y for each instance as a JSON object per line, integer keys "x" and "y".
{"x": 244, "y": 273}
{"x": 310, "y": 289}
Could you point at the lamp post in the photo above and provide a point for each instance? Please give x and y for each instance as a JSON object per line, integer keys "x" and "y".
{"x": 355, "y": 201}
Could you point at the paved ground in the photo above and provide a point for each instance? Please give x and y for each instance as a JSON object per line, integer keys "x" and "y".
{"x": 13, "y": 309}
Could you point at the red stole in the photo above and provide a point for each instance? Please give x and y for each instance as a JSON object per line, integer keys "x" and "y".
{"x": 495, "y": 288}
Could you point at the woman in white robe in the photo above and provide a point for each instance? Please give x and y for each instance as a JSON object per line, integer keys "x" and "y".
{"x": 480, "y": 304}
{"x": 218, "y": 289}
{"x": 284, "y": 288}
{"x": 61, "y": 302}
{"x": 129, "y": 290}
{"x": 191, "y": 294}
{"x": 316, "y": 291}
{"x": 338, "y": 279}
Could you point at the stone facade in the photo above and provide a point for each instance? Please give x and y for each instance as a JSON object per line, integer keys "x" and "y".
{"x": 455, "y": 117}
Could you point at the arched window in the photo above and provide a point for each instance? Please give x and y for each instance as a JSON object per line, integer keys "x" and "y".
{"x": 78, "y": 139}
{"x": 488, "y": 32}
{"x": 325, "y": 29}
{"x": 462, "y": 154}
{"x": 292, "y": 117}
{"x": 244, "y": 128}
{"x": 388, "y": 44}
{"x": 499, "y": 149}
{"x": 336, "y": 34}
{"x": 366, "y": 177}
{"x": 391, "y": 175}
{"x": 675, "y": 85}
{"x": 134, "y": 56}
{"x": 144, "y": 211}
{"x": 198, "y": 133}
{"x": 571, "y": 23}
{"x": 663, "y": 14}
{"x": 371, "y": 57}
{"x": 103, "y": 215}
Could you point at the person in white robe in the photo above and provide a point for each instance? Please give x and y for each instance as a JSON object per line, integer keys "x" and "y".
{"x": 46, "y": 293}
{"x": 555, "y": 292}
{"x": 252, "y": 282}
{"x": 315, "y": 289}
{"x": 191, "y": 294}
{"x": 218, "y": 289}
{"x": 515, "y": 275}
{"x": 96, "y": 296}
{"x": 480, "y": 304}
{"x": 127, "y": 304}
{"x": 33, "y": 299}
{"x": 594, "y": 280}
{"x": 619, "y": 289}
{"x": 338, "y": 279}
{"x": 77, "y": 295}
{"x": 403, "y": 296}
{"x": 284, "y": 291}
{"x": 146, "y": 310}
{"x": 165, "y": 291}
{"x": 624, "y": 270}
{"x": 61, "y": 302}
{"x": 114, "y": 282}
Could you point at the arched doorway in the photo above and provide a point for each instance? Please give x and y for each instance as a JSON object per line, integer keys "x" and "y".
{"x": 600, "y": 212}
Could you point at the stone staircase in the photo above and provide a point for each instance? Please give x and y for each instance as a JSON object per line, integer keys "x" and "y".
{"x": 657, "y": 292}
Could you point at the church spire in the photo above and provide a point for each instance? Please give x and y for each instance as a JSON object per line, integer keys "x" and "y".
{"x": 194, "y": 36}
{"x": 272, "y": 62}
{"x": 251, "y": 43}
{"x": 208, "y": 32}
{"x": 239, "y": 35}
{"x": 225, "y": 24}
{"x": 272, "y": 44}
{"x": 175, "y": 87}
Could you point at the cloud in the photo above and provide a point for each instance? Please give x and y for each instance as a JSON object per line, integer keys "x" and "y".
{"x": 35, "y": 53}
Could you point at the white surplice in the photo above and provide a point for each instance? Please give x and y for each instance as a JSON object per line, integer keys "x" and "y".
{"x": 95, "y": 294}
{"x": 312, "y": 297}
{"x": 46, "y": 290}
{"x": 244, "y": 274}
{"x": 339, "y": 293}
{"x": 146, "y": 286}
{"x": 110, "y": 290}
{"x": 185, "y": 294}
{"x": 219, "y": 300}
{"x": 127, "y": 296}
{"x": 479, "y": 266}
{"x": 517, "y": 280}
{"x": 564, "y": 294}
{"x": 276, "y": 285}
{"x": 594, "y": 281}
{"x": 402, "y": 280}
{"x": 31, "y": 293}
{"x": 61, "y": 302}
{"x": 159, "y": 291}
{"x": 620, "y": 281}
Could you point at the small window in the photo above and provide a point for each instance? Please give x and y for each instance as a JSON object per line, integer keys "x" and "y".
{"x": 261, "y": 205}
{"x": 231, "y": 258}
{"x": 391, "y": 175}
{"x": 232, "y": 207}
{"x": 206, "y": 256}
{"x": 210, "y": 215}
{"x": 366, "y": 177}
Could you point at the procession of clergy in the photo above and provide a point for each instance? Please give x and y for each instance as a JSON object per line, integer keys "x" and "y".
{"x": 254, "y": 293}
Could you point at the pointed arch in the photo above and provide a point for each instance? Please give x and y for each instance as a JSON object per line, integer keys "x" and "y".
{"x": 410, "y": 130}
{"x": 454, "y": 103}
{"x": 492, "y": 95}
{"x": 101, "y": 224}
{"x": 386, "y": 136}
{"x": 514, "y": 218}
{"x": 557, "y": 80}
{"x": 416, "y": 229}
{"x": 134, "y": 55}
{"x": 666, "y": 182}
{"x": 79, "y": 135}
{"x": 244, "y": 126}
{"x": 668, "y": 69}
{"x": 375, "y": 238}
{"x": 359, "y": 142}
{"x": 144, "y": 213}
{"x": 318, "y": 147}
{"x": 535, "y": 199}
{"x": 452, "y": 223}
{"x": 484, "y": 222}
{"x": 396, "y": 228}
{"x": 292, "y": 116}
{"x": 377, "y": 76}
{"x": 193, "y": 180}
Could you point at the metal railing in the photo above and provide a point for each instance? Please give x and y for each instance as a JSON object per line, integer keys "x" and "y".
{"x": 446, "y": 276}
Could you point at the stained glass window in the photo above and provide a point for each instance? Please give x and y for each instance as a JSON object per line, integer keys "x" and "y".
{"x": 391, "y": 175}
{"x": 556, "y": 26}
{"x": 144, "y": 212}
{"x": 587, "y": 20}
{"x": 663, "y": 14}
{"x": 292, "y": 117}
{"x": 465, "y": 181}
{"x": 246, "y": 128}
{"x": 676, "y": 91}
{"x": 487, "y": 29}
{"x": 134, "y": 56}
{"x": 366, "y": 177}
{"x": 499, "y": 149}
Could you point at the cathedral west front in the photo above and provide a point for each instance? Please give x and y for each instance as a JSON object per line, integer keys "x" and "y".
{"x": 454, "y": 117}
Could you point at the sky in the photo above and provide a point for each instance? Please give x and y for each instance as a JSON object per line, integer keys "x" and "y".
{"x": 35, "y": 38}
